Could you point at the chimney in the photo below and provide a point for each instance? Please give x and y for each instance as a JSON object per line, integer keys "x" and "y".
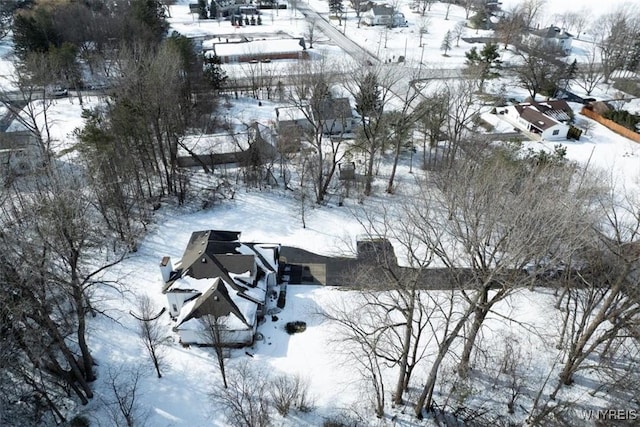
{"x": 166, "y": 267}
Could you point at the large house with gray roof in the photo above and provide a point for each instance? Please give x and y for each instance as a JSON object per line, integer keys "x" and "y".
{"x": 222, "y": 279}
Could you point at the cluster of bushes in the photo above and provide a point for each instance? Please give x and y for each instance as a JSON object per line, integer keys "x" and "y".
{"x": 250, "y": 396}
{"x": 623, "y": 118}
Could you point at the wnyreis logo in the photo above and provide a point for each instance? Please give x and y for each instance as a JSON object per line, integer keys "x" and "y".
{"x": 612, "y": 414}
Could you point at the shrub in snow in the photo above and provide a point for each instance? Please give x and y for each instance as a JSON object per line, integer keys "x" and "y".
{"x": 289, "y": 391}
{"x": 295, "y": 327}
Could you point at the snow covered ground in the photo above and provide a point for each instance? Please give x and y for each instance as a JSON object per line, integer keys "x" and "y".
{"x": 181, "y": 397}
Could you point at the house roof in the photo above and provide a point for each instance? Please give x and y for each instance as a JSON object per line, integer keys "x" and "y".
{"x": 552, "y": 32}
{"x": 537, "y": 119}
{"x": 214, "y": 144}
{"x": 208, "y": 257}
{"x": 557, "y": 109}
{"x": 258, "y": 47}
{"x": 381, "y": 10}
{"x": 17, "y": 140}
{"x": 335, "y": 108}
{"x": 293, "y": 114}
{"x": 215, "y": 301}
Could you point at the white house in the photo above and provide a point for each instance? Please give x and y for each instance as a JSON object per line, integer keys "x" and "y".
{"x": 223, "y": 280}
{"x": 549, "y": 119}
{"x": 378, "y": 14}
{"x": 553, "y": 37}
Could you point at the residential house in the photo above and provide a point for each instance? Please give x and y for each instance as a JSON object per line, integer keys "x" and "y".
{"x": 19, "y": 152}
{"x": 336, "y": 116}
{"x": 552, "y": 37}
{"x": 549, "y": 119}
{"x": 225, "y": 8}
{"x": 333, "y": 114}
{"x": 382, "y": 14}
{"x": 257, "y": 50}
{"x": 196, "y": 150}
{"x": 223, "y": 278}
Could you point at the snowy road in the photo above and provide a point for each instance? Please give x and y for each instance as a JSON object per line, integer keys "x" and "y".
{"x": 353, "y": 49}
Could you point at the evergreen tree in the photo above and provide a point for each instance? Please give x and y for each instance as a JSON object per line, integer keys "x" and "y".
{"x": 484, "y": 63}
{"x": 368, "y": 98}
{"x": 213, "y": 72}
{"x": 213, "y": 9}
{"x": 446, "y": 43}
{"x": 33, "y": 31}
{"x": 336, "y": 7}
{"x": 202, "y": 6}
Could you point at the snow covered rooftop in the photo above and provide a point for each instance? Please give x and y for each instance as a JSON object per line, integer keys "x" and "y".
{"x": 214, "y": 144}
{"x": 258, "y": 47}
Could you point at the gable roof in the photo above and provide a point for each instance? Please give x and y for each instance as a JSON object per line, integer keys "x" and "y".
{"x": 215, "y": 253}
{"x": 381, "y": 10}
{"x": 537, "y": 119}
{"x": 557, "y": 109}
{"x": 545, "y": 114}
{"x": 19, "y": 140}
{"x": 215, "y": 301}
{"x": 335, "y": 108}
{"x": 552, "y": 32}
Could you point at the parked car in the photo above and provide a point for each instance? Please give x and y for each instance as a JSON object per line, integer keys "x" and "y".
{"x": 58, "y": 92}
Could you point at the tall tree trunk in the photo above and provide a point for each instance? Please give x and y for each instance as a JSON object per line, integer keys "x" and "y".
{"x": 406, "y": 348}
{"x": 396, "y": 157}
{"x": 87, "y": 359}
{"x": 426, "y": 397}
{"x": 369, "y": 180}
{"x": 478, "y": 318}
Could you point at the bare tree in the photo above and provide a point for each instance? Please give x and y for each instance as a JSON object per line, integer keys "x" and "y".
{"x": 589, "y": 73}
{"x": 214, "y": 329}
{"x": 577, "y": 21}
{"x": 617, "y": 32}
{"x": 290, "y": 391}
{"x": 394, "y": 291}
{"x": 493, "y": 233}
{"x": 605, "y": 309}
{"x": 357, "y": 5}
{"x": 34, "y": 78}
{"x": 460, "y": 98}
{"x": 422, "y": 6}
{"x": 423, "y": 28}
{"x": 432, "y": 123}
{"x": 400, "y": 125}
{"x": 311, "y": 33}
{"x": 361, "y": 333}
{"x": 245, "y": 400}
{"x": 372, "y": 88}
{"x": 150, "y": 331}
{"x": 311, "y": 96}
{"x": 511, "y": 27}
{"x": 123, "y": 404}
{"x": 457, "y": 32}
{"x": 531, "y": 11}
{"x": 541, "y": 72}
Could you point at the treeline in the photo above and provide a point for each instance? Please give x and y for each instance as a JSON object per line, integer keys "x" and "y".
{"x": 65, "y": 224}
{"x": 498, "y": 223}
